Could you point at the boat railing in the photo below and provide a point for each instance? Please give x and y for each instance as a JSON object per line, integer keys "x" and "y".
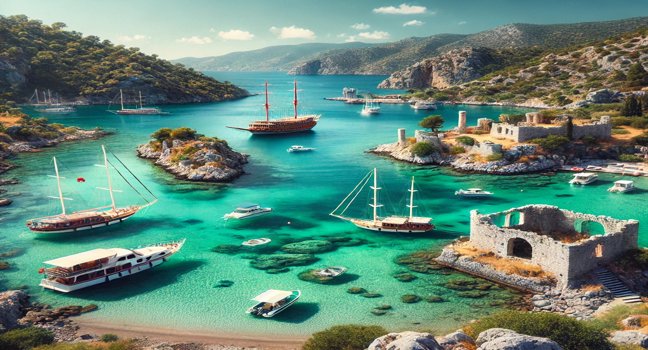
{"x": 63, "y": 272}
{"x": 166, "y": 243}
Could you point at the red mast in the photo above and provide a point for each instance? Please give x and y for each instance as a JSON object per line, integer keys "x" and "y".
{"x": 295, "y": 100}
{"x": 267, "y": 105}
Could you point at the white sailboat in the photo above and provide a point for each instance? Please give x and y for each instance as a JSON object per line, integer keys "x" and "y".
{"x": 370, "y": 108}
{"x": 393, "y": 223}
{"x": 88, "y": 218}
{"x": 141, "y": 110}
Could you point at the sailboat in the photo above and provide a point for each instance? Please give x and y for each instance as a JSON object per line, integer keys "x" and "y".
{"x": 141, "y": 110}
{"x": 285, "y": 125}
{"x": 50, "y": 107}
{"x": 89, "y": 218}
{"x": 370, "y": 108}
{"x": 393, "y": 223}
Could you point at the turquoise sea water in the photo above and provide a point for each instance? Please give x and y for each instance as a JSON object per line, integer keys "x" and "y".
{"x": 301, "y": 188}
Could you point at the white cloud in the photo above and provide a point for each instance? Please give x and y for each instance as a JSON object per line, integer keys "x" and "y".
{"x": 375, "y": 35}
{"x": 195, "y": 40}
{"x": 351, "y": 39}
{"x": 413, "y": 23}
{"x": 236, "y": 34}
{"x": 361, "y": 26}
{"x": 462, "y": 23}
{"x": 402, "y": 9}
{"x": 133, "y": 38}
{"x": 293, "y": 32}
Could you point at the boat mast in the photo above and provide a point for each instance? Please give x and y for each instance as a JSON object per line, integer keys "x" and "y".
{"x": 36, "y": 93}
{"x": 411, "y": 204}
{"x": 110, "y": 189}
{"x": 295, "y": 100}
{"x": 121, "y": 98}
{"x": 140, "y": 94}
{"x": 50, "y": 96}
{"x": 58, "y": 183}
{"x": 375, "y": 189}
{"x": 267, "y": 105}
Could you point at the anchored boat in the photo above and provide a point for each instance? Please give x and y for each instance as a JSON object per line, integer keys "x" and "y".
{"x": 299, "y": 148}
{"x": 82, "y": 270}
{"x": 247, "y": 211}
{"x": 141, "y": 110}
{"x": 583, "y": 179}
{"x": 391, "y": 223}
{"x": 424, "y": 106}
{"x": 88, "y": 218}
{"x": 272, "y": 302}
{"x": 473, "y": 193}
{"x": 370, "y": 108}
{"x": 622, "y": 186}
{"x": 286, "y": 125}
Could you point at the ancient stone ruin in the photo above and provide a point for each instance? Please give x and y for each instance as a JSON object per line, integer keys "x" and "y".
{"x": 533, "y": 128}
{"x": 564, "y": 243}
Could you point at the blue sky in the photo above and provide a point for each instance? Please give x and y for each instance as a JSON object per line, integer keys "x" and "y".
{"x": 179, "y": 28}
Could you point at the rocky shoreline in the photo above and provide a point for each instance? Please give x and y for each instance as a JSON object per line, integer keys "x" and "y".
{"x": 195, "y": 160}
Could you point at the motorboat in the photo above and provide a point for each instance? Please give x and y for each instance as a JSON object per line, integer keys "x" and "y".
{"x": 299, "y": 148}
{"x": 622, "y": 186}
{"x": 273, "y": 301}
{"x": 424, "y": 106}
{"x": 473, "y": 193}
{"x": 86, "y": 269}
{"x": 370, "y": 108}
{"x": 256, "y": 242}
{"x": 583, "y": 178}
{"x": 330, "y": 271}
{"x": 247, "y": 211}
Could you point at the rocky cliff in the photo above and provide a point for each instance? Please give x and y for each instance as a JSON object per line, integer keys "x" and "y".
{"x": 204, "y": 159}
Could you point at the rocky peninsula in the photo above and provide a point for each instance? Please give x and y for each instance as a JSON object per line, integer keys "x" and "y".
{"x": 193, "y": 157}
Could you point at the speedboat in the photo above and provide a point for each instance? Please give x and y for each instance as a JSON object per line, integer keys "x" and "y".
{"x": 247, "y": 211}
{"x": 256, "y": 241}
{"x": 424, "y": 106}
{"x": 272, "y": 302}
{"x": 330, "y": 271}
{"x": 622, "y": 186}
{"x": 473, "y": 193}
{"x": 299, "y": 148}
{"x": 82, "y": 270}
{"x": 583, "y": 179}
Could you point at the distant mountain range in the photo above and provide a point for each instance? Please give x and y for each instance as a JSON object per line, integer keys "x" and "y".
{"x": 363, "y": 58}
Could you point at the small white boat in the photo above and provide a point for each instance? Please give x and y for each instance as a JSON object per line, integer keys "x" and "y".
{"x": 299, "y": 148}
{"x": 622, "y": 186}
{"x": 583, "y": 179}
{"x": 247, "y": 211}
{"x": 331, "y": 271}
{"x": 82, "y": 270}
{"x": 424, "y": 106}
{"x": 256, "y": 241}
{"x": 369, "y": 108}
{"x": 55, "y": 109}
{"x": 272, "y": 302}
{"x": 473, "y": 193}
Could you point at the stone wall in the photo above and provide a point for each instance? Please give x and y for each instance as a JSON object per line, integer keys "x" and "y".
{"x": 521, "y": 133}
{"x": 535, "y": 224}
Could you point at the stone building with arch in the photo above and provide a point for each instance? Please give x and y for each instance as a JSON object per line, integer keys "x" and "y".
{"x": 562, "y": 242}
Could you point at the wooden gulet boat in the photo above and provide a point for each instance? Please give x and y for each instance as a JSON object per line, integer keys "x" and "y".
{"x": 286, "y": 125}
{"x": 89, "y": 218}
{"x": 391, "y": 223}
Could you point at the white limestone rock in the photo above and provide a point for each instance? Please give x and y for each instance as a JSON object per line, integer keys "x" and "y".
{"x": 405, "y": 341}
{"x": 506, "y": 339}
{"x": 630, "y": 337}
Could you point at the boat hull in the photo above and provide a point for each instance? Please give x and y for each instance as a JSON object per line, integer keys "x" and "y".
{"x": 369, "y": 225}
{"x": 82, "y": 226}
{"x": 249, "y": 216}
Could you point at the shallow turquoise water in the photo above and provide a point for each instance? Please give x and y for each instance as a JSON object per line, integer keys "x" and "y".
{"x": 301, "y": 188}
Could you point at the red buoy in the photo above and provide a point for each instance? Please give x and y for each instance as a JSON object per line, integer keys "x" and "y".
{"x": 80, "y": 179}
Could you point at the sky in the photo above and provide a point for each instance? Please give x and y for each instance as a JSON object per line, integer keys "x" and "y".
{"x": 198, "y": 28}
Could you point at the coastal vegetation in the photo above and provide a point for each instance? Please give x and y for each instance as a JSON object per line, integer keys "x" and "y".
{"x": 25, "y": 338}
{"x": 344, "y": 337}
{"x": 38, "y": 56}
{"x": 433, "y": 122}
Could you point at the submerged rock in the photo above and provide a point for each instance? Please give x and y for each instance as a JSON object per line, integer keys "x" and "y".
{"x": 223, "y": 284}
{"x": 312, "y": 246}
{"x": 371, "y": 295}
{"x": 405, "y": 341}
{"x": 472, "y": 294}
{"x": 378, "y": 312}
{"x": 356, "y": 290}
{"x": 275, "y": 262}
{"x": 405, "y": 277}
{"x": 421, "y": 262}
{"x": 410, "y": 298}
{"x": 434, "y": 299}
{"x": 227, "y": 249}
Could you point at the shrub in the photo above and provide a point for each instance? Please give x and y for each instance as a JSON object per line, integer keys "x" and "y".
{"x": 466, "y": 140}
{"x": 512, "y": 118}
{"x": 344, "y": 337}
{"x": 457, "y": 150}
{"x": 494, "y": 157}
{"x": 118, "y": 345}
{"x": 589, "y": 140}
{"x": 639, "y": 123}
{"x": 619, "y": 131}
{"x": 621, "y": 121}
{"x": 551, "y": 143}
{"x": 25, "y": 338}
{"x": 183, "y": 134}
{"x": 162, "y": 134}
{"x": 423, "y": 149}
{"x": 569, "y": 333}
{"x": 109, "y": 338}
{"x": 641, "y": 139}
{"x": 630, "y": 158}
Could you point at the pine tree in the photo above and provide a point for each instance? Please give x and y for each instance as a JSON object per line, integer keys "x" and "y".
{"x": 637, "y": 75}
{"x": 631, "y": 106}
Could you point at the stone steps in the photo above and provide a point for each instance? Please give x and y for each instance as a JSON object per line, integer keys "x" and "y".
{"x": 616, "y": 286}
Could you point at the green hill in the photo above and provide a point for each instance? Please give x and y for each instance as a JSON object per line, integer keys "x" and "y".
{"x": 34, "y": 55}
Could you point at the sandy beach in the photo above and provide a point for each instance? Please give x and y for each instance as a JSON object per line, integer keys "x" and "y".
{"x": 229, "y": 340}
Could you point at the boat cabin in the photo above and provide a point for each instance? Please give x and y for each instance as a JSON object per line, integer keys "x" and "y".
{"x": 622, "y": 186}
{"x": 584, "y": 178}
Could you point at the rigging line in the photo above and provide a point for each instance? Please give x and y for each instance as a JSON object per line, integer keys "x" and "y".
{"x": 129, "y": 184}
{"x": 356, "y": 196}
{"x": 350, "y": 193}
{"x": 136, "y": 178}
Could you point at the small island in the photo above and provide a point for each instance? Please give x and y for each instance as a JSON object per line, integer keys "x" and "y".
{"x": 193, "y": 157}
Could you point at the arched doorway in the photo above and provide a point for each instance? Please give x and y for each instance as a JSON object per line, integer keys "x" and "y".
{"x": 589, "y": 227}
{"x": 519, "y": 248}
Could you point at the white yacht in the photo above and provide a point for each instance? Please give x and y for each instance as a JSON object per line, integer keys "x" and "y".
{"x": 583, "y": 179}
{"x": 247, "y": 211}
{"x": 58, "y": 109}
{"x": 331, "y": 271}
{"x": 370, "y": 108}
{"x": 424, "y": 106}
{"x": 272, "y": 302}
{"x": 97, "y": 266}
{"x": 299, "y": 148}
{"x": 473, "y": 193}
{"x": 256, "y": 241}
{"x": 622, "y": 186}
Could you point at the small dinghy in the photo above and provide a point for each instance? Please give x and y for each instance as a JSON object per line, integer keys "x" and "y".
{"x": 331, "y": 271}
{"x": 299, "y": 148}
{"x": 247, "y": 211}
{"x": 256, "y": 241}
{"x": 473, "y": 193}
{"x": 272, "y": 302}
